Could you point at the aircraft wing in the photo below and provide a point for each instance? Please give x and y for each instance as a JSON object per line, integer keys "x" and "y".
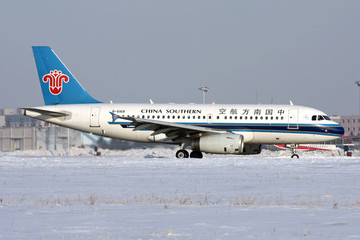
{"x": 172, "y": 131}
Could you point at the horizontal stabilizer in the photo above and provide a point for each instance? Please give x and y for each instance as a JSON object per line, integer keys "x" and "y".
{"x": 46, "y": 112}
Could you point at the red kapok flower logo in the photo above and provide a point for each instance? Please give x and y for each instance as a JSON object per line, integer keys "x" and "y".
{"x": 55, "y": 79}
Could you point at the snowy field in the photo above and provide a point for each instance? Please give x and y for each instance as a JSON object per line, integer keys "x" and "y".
{"x": 149, "y": 194}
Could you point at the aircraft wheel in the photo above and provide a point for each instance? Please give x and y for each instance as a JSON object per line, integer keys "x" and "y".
{"x": 196, "y": 154}
{"x": 182, "y": 154}
{"x": 295, "y": 156}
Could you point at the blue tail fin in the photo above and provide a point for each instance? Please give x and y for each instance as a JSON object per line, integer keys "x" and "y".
{"x": 58, "y": 85}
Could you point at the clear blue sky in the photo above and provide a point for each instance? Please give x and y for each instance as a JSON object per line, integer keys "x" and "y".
{"x": 130, "y": 51}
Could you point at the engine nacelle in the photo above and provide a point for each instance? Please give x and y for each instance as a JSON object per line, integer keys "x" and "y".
{"x": 225, "y": 143}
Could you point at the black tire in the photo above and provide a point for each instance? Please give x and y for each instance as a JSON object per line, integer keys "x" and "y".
{"x": 196, "y": 154}
{"x": 295, "y": 156}
{"x": 182, "y": 154}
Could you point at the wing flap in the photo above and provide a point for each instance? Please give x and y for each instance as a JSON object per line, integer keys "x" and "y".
{"x": 172, "y": 131}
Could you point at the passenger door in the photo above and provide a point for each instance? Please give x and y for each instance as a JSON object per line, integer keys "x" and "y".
{"x": 293, "y": 119}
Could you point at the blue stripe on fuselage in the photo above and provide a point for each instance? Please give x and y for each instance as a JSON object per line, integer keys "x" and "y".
{"x": 324, "y": 129}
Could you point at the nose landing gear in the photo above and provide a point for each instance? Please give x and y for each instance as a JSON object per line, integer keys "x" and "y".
{"x": 293, "y": 150}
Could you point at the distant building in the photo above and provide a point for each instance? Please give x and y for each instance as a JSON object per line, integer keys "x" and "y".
{"x": 7, "y": 111}
{"x": 351, "y": 125}
{"x": 19, "y": 132}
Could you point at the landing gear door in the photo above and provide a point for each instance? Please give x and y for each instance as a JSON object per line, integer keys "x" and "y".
{"x": 293, "y": 119}
{"x": 95, "y": 117}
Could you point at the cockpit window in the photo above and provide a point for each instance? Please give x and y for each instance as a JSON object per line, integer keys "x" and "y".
{"x": 319, "y": 118}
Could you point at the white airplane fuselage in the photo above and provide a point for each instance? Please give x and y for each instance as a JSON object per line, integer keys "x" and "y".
{"x": 259, "y": 124}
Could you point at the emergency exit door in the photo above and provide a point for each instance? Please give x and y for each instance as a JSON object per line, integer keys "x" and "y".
{"x": 95, "y": 117}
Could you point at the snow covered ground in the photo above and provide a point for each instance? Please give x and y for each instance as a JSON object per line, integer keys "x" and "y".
{"x": 149, "y": 194}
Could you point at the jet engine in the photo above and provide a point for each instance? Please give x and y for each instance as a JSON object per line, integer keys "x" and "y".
{"x": 225, "y": 143}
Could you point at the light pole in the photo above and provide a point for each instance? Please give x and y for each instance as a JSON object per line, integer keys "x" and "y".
{"x": 358, "y": 84}
{"x": 205, "y": 90}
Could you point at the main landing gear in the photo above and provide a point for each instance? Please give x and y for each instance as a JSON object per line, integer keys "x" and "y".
{"x": 182, "y": 153}
{"x": 293, "y": 150}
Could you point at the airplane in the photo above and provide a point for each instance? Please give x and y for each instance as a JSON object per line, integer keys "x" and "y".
{"x": 309, "y": 147}
{"x": 203, "y": 128}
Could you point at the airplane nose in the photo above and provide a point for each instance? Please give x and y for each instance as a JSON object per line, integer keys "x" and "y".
{"x": 339, "y": 130}
{"x": 342, "y": 131}
{"x": 336, "y": 129}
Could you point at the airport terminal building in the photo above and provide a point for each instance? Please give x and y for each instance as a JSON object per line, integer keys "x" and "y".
{"x": 351, "y": 125}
